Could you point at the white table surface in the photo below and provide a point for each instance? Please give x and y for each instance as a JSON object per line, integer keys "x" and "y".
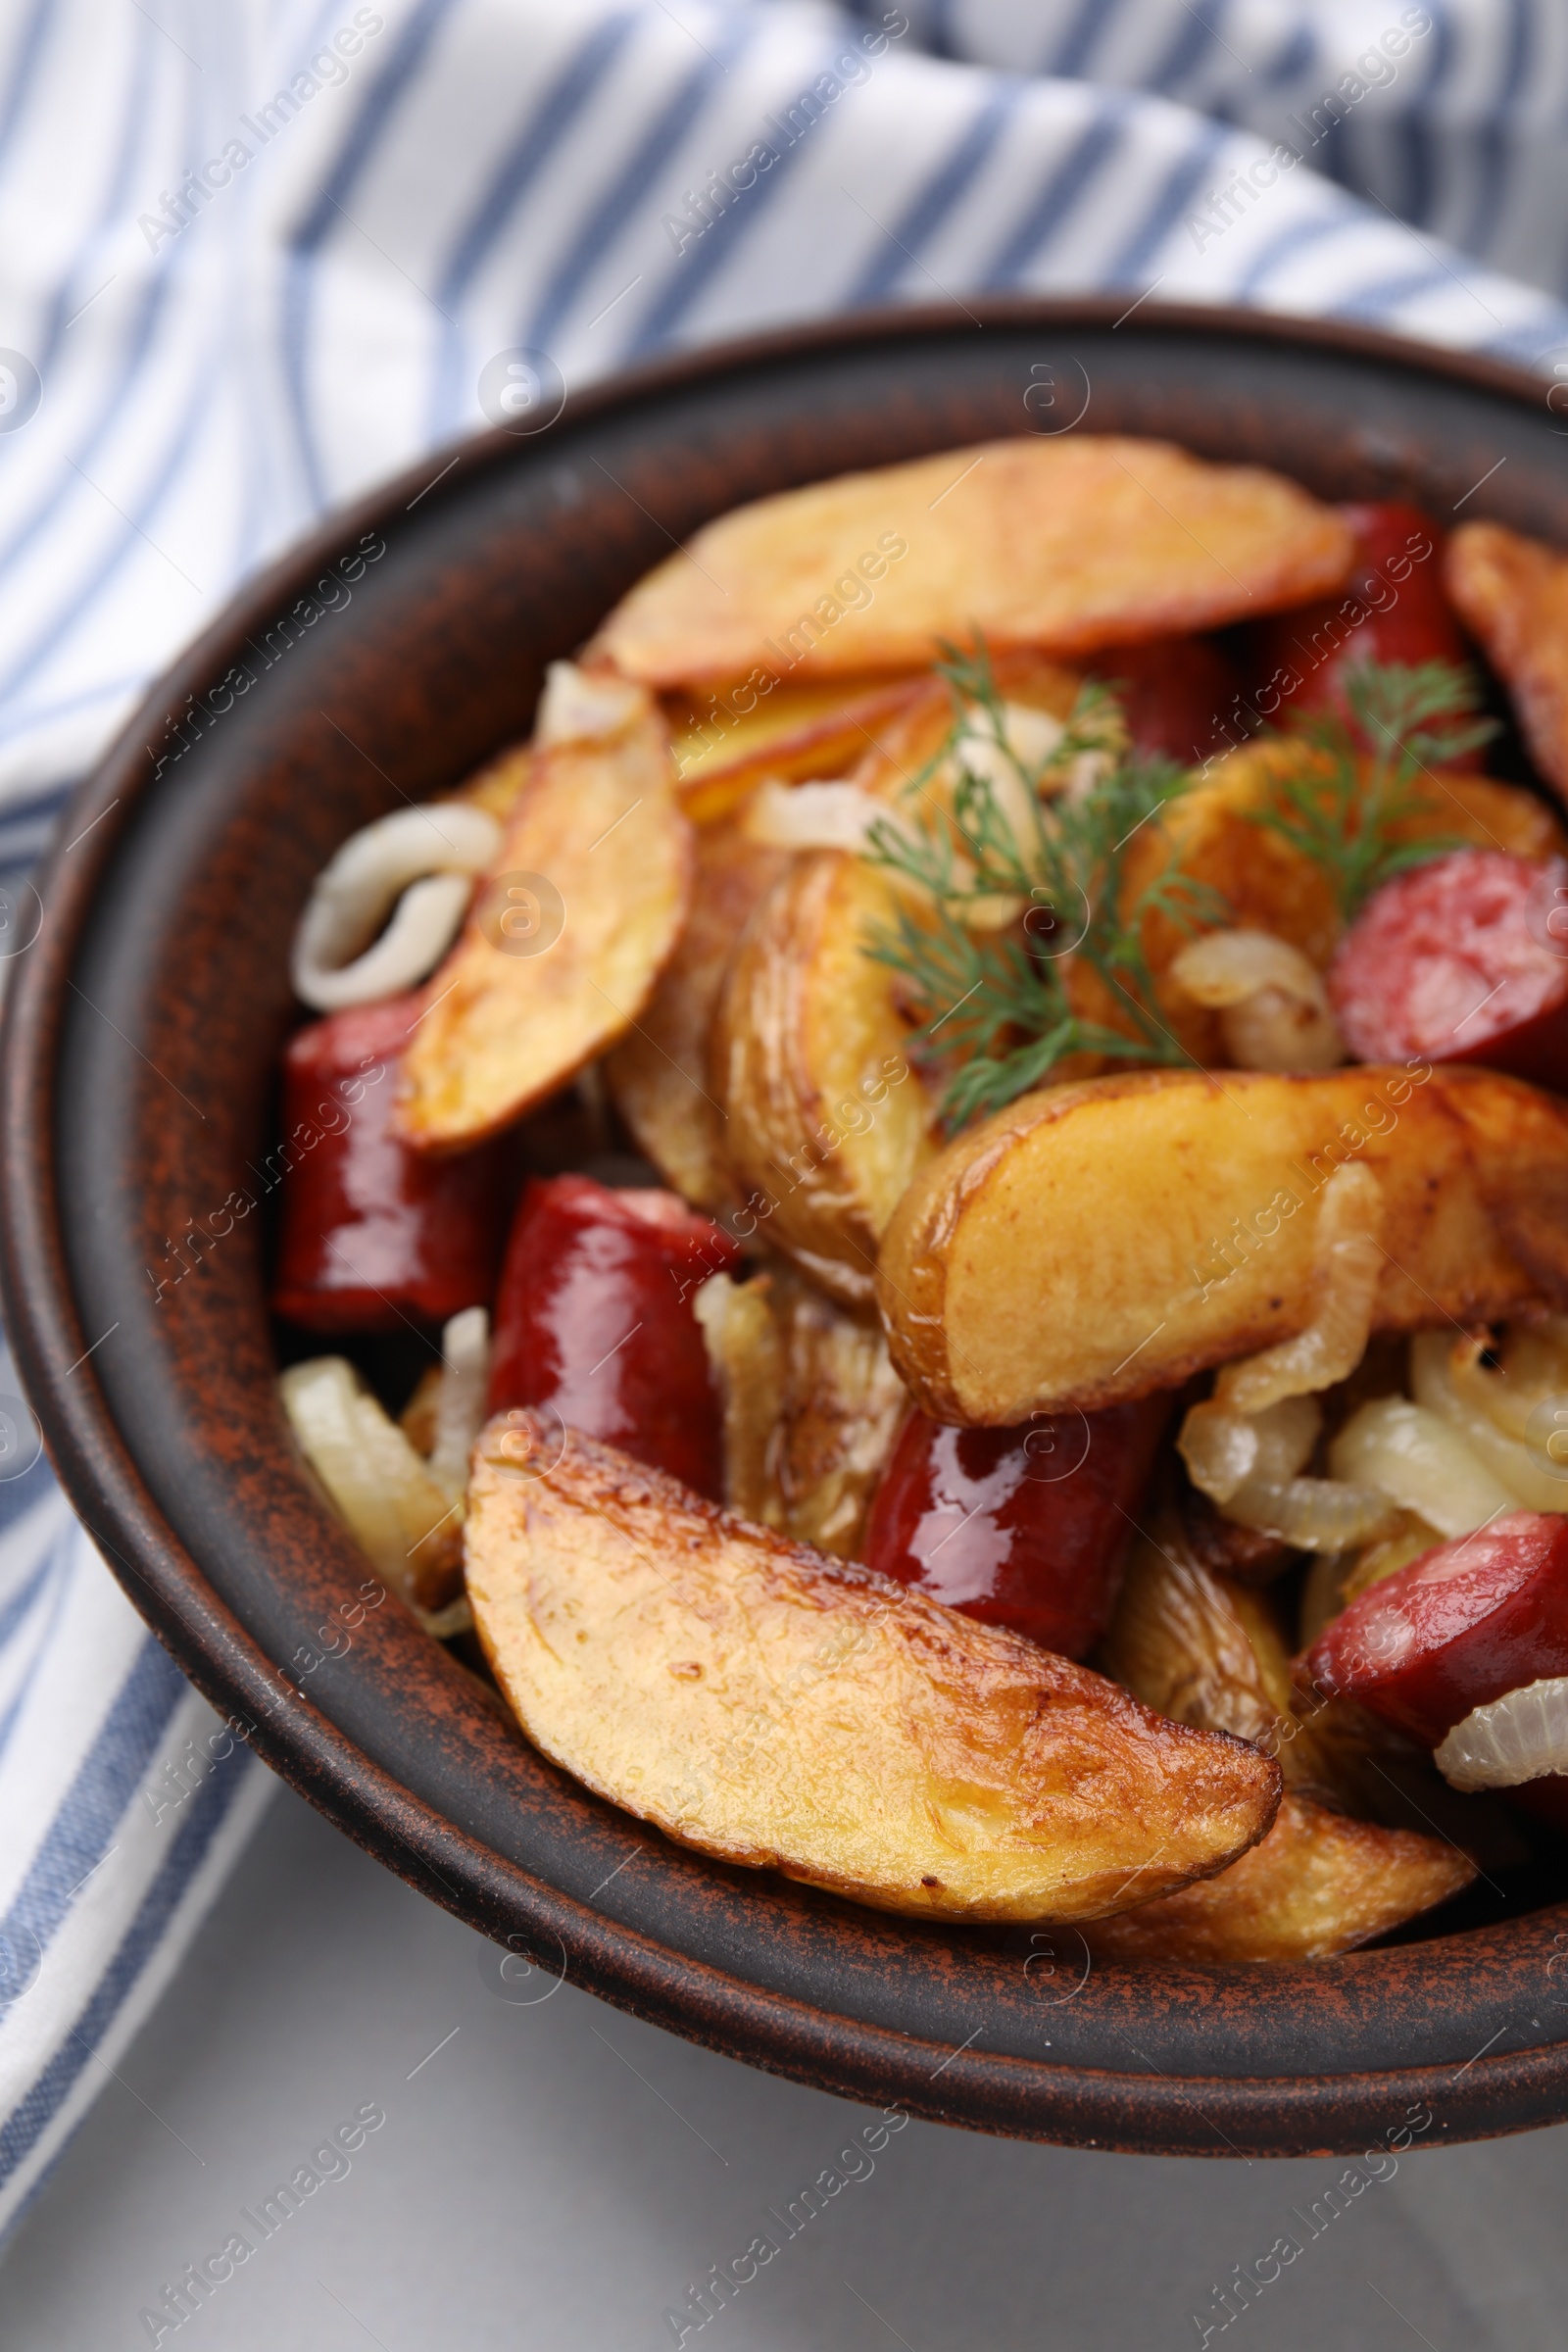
{"x": 558, "y": 2174}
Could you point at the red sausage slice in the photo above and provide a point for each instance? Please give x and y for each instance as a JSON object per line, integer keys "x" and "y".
{"x": 1025, "y": 1527}
{"x": 1457, "y": 1628}
{"x": 1464, "y": 959}
{"x": 594, "y": 1318}
{"x": 1391, "y": 610}
{"x": 1177, "y": 694}
{"x": 371, "y": 1233}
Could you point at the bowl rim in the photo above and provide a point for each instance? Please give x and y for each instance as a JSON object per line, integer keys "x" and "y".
{"x": 1094, "y": 2107}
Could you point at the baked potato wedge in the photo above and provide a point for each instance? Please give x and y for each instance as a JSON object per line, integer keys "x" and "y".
{"x": 811, "y": 1406}
{"x": 723, "y": 752}
{"x": 825, "y": 1119}
{"x": 1318, "y": 1883}
{"x": 1211, "y": 1654}
{"x": 537, "y": 986}
{"x": 1070, "y": 545}
{"x": 1512, "y": 594}
{"x": 783, "y": 1710}
{"x": 1009, "y": 1288}
{"x": 658, "y": 1076}
{"x": 1204, "y": 1650}
{"x": 1268, "y": 884}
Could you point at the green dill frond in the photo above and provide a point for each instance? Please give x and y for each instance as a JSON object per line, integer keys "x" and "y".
{"x": 1052, "y": 837}
{"x": 1344, "y": 816}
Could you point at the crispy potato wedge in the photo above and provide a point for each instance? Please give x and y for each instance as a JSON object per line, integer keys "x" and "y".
{"x": 507, "y": 1022}
{"x": 1512, "y": 594}
{"x": 1211, "y": 1654}
{"x": 498, "y": 785}
{"x": 783, "y": 1710}
{"x": 811, "y": 1406}
{"x": 790, "y": 732}
{"x": 825, "y": 1118}
{"x": 1207, "y": 1652}
{"x": 1098, "y": 1241}
{"x": 1272, "y": 886}
{"x": 658, "y": 1076}
{"x": 1318, "y": 1883}
{"x": 1070, "y": 545}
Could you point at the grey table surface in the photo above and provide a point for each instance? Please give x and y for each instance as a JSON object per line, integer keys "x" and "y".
{"x": 551, "y": 2173}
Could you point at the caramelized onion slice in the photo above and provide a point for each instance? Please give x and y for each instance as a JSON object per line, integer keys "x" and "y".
{"x": 811, "y": 817}
{"x": 1422, "y": 1463}
{"x": 460, "y": 1400}
{"x": 584, "y": 705}
{"x": 1273, "y": 1007}
{"x": 1521, "y": 1437}
{"x": 1248, "y": 1464}
{"x": 1348, "y": 1262}
{"x": 419, "y": 862}
{"x": 1521, "y": 1737}
{"x": 1225, "y": 1452}
{"x": 406, "y": 1524}
{"x": 1313, "y": 1514}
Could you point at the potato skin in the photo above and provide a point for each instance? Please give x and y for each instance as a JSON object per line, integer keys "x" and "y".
{"x": 1098, "y": 1241}
{"x": 658, "y": 1075}
{"x": 1209, "y": 1653}
{"x": 783, "y": 1710}
{"x": 825, "y": 1119}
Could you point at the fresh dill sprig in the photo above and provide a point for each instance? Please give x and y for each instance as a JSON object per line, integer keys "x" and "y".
{"x": 1018, "y": 876}
{"x": 1344, "y": 814}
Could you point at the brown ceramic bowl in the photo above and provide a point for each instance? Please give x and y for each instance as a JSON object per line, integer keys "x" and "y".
{"x": 141, "y": 1042}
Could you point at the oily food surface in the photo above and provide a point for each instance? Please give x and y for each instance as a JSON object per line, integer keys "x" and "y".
{"x": 780, "y": 1709}
{"x": 1069, "y": 545}
{"x": 565, "y": 943}
{"x": 1099, "y": 1241}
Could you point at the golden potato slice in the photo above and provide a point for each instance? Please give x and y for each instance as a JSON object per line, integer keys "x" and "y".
{"x": 1211, "y": 1654}
{"x": 784, "y": 1710}
{"x": 565, "y": 943}
{"x": 1271, "y": 885}
{"x": 1512, "y": 594}
{"x": 825, "y": 1118}
{"x": 498, "y": 785}
{"x": 1318, "y": 1883}
{"x": 659, "y": 1075}
{"x": 1098, "y": 1241}
{"x": 1070, "y": 545}
{"x": 723, "y": 752}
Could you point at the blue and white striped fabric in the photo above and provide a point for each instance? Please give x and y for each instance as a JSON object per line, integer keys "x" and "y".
{"x": 254, "y": 258}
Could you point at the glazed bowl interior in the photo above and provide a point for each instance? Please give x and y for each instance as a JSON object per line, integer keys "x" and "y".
{"x": 382, "y": 663}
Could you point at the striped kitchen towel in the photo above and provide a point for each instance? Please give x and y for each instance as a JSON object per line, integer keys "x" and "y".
{"x": 255, "y": 257}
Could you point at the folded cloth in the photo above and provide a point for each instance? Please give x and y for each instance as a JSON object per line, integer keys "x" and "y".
{"x": 260, "y": 256}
